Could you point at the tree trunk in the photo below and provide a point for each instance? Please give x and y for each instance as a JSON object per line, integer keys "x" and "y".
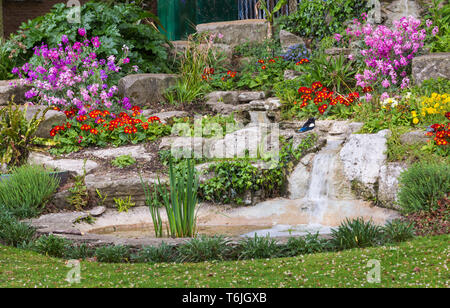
{"x": 1, "y": 19}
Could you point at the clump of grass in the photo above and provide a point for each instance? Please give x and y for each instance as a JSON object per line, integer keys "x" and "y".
{"x": 27, "y": 190}
{"x": 13, "y": 232}
{"x": 155, "y": 254}
{"x": 422, "y": 186}
{"x": 258, "y": 247}
{"x": 51, "y": 245}
{"x": 204, "y": 248}
{"x": 113, "y": 254}
{"x": 356, "y": 233}
{"x": 311, "y": 243}
{"x": 398, "y": 231}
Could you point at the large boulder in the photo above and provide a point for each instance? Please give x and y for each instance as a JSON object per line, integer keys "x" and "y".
{"x": 146, "y": 89}
{"x": 388, "y": 184}
{"x": 238, "y": 31}
{"x": 431, "y": 66}
{"x": 362, "y": 156}
{"x": 10, "y": 88}
{"x": 52, "y": 118}
{"x": 135, "y": 151}
{"x": 288, "y": 39}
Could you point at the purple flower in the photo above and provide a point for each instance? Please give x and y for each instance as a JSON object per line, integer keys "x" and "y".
{"x": 126, "y": 60}
{"x": 96, "y": 42}
{"x": 65, "y": 39}
{"x": 82, "y": 32}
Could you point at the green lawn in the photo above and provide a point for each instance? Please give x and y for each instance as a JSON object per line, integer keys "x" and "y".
{"x": 422, "y": 262}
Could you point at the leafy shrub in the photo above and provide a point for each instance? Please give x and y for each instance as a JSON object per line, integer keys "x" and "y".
{"x": 439, "y": 14}
{"x": 317, "y": 19}
{"x": 116, "y": 25}
{"x": 51, "y": 245}
{"x": 13, "y": 232}
{"x": 78, "y": 195}
{"x": 204, "y": 248}
{"x": 296, "y": 53}
{"x": 123, "y": 205}
{"x": 311, "y": 243}
{"x": 258, "y": 247}
{"x": 356, "y": 233}
{"x": 113, "y": 254}
{"x": 123, "y": 161}
{"x": 155, "y": 254}
{"x": 82, "y": 251}
{"x": 27, "y": 190}
{"x": 17, "y": 133}
{"x": 398, "y": 231}
{"x": 422, "y": 186}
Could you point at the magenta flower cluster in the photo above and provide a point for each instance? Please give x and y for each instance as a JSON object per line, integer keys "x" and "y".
{"x": 387, "y": 53}
{"x": 71, "y": 75}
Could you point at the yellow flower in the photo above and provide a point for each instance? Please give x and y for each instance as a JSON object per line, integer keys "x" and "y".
{"x": 415, "y": 121}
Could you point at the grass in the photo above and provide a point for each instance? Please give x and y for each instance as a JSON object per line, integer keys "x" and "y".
{"x": 421, "y": 262}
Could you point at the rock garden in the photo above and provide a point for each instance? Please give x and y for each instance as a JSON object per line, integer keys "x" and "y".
{"x": 191, "y": 151}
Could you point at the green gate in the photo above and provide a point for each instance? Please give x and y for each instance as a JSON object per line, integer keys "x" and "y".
{"x": 179, "y": 17}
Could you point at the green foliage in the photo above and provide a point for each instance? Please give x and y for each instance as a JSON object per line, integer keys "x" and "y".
{"x": 356, "y": 233}
{"x": 439, "y": 13}
{"x": 123, "y": 205}
{"x": 123, "y": 161}
{"x": 233, "y": 179}
{"x": 422, "y": 186}
{"x": 311, "y": 243}
{"x": 317, "y": 19}
{"x": 51, "y": 245}
{"x": 269, "y": 48}
{"x": 17, "y": 133}
{"x": 155, "y": 254}
{"x": 113, "y": 254}
{"x": 179, "y": 201}
{"x": 204, "y": 248}
{"x": 77, "y": 252}
{"x": 13, "y": 232}
{"x": 79, "y": 197}
{"x": 398, "y": 231}
{"x": 259, "y": 247}
{"x": 433, "y": 85}
{"x": 116, "y": 26}
{"x": 27, "y": 190}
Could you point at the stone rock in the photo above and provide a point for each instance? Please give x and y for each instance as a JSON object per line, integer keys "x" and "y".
{"x": 97, "y": 211}
{"x": 239, "y": 142}
{"x": 298, "y": 182}
{"x": 59, "y": 200}
{"x": 417, "y": 136}
{"x": 245, "y": 97}
{"x": 74, "y": 166}
{"x": 355, "y": 127}
{"x": 272, "y": 104}
{"x": 220, "y": 108}
{"x": 307, "y": 159}
{"x": 188, "y": 147}
{"x": 388, "y": 184}
{"x": 258, "y": 117}
{"x": 291, "y": 74}
{"x": 362, "y": 156}
{"x": 339, "y": 128}
{"x": 119, "y": 185}
{"x": 226, "y": 97}
{"x": 144, "y": 89}
{"x": 396, "y": 9}
{"x": 169, "y": 115}
{"x": 8, "y": 89}
{"x": 374, "y": 14}
{"x": 135, "y": 151}
{"x": 238, "y": 31}
{"x": 52, "y": 118}
{"x": 288, "y": 39}
{"x": 431, "y": 66}
{"x": 336, "y": 51}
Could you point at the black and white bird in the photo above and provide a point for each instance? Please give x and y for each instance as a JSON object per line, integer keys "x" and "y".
{"x": 309, "y": 125}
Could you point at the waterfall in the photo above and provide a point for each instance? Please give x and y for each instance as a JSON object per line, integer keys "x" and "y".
{"x": 321, "y": 189}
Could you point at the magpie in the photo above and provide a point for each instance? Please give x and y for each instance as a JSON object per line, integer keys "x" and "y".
{"x": 309, "y": 125}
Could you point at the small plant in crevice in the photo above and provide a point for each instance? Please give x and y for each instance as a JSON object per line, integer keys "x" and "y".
{"x": 123, "y": 161}
{"x": 356, "y": 233}
{"x": 123, "y": 205}
{"x": 113, "y": 254}
{"x": 204, "y": 248}
{"x": 79, "y": 197}
{"x": 89, "y": 219}
{"x": 77, "y": 252}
